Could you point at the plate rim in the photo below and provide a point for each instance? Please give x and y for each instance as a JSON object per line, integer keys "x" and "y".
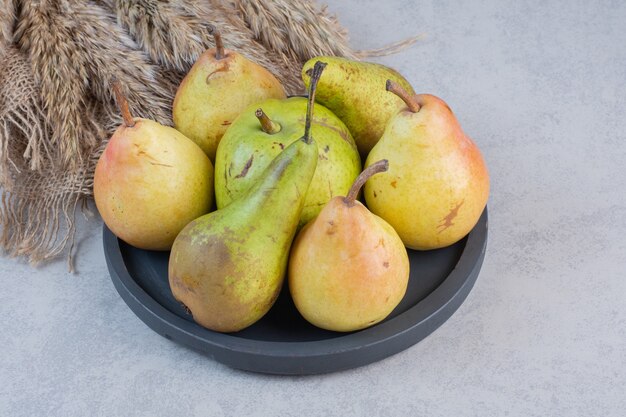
{"x": 402, "y": 331}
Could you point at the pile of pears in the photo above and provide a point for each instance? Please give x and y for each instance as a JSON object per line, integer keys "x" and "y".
{"x": 292, "y": 201}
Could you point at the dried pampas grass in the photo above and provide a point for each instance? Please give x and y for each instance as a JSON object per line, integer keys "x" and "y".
{"x": 303, "y": 32}
{"x": 73, "y": 63}
{"x": 58, "y": 60}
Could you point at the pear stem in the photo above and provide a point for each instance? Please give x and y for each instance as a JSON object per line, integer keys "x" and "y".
{"x": 123, "y": 104}
{"x": 268, "y": 125}
{"x": 410, "y": 100}
{"x": 318, "y": 68}
{"x": 219, "y": 45}
{"x": 375, "y": 168}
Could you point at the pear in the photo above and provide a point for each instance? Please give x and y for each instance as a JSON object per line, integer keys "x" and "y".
{"x": 151, "y": 181}
{"x": 348, "y": 268}
{"x": 438, "y": 184}
{"x": 351, "y": 90}
{"x": 228, "y": 266}
{"x": 219, "y": 85}
{"x": 258, "y": 135}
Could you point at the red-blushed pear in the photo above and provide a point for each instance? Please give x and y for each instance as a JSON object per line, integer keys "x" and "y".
{"x": 151, "y": 181}
{"x": 348, "y": 268}
{"x": 219, "y": 86}
{"x": 437, "y": 185}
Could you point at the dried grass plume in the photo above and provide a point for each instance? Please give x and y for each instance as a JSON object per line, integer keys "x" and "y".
{"x": 58, "y": 60}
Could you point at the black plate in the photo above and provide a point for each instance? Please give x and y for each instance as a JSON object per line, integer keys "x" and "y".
{"x": 282, "y": 342}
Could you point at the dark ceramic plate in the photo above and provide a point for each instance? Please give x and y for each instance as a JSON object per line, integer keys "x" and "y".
{"x": 282, "y": 342}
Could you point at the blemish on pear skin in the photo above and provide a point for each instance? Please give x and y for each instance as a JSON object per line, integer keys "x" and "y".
{"x": 223, "y": 67}
{"x": 226, "y": 179}
{"x": 375, "y": 195}
{"x": 246, "y": 167}
{"x": 226, "y": 123}
{"x": 282, "y": 147}
{"x": 151, "y": 159}
{"x": 393, "y": 183}
{"x": 161, "y": 165}
{"x": 186, "y": 308}
{"x": 386, "y": 264}
{"x": 447, "y": 221}
{"x": 332, "y": 229}
{"x": 326, "y": 148}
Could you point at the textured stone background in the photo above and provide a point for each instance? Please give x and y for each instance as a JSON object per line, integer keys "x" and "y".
{"x": 541, "y": 88}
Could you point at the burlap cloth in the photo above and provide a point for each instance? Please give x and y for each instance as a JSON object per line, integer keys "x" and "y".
{"x": 57, "y": 62}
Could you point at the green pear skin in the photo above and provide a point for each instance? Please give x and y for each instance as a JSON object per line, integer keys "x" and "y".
{"x": 246, "y": 150}
{"x": 228, "y": 266}
{"x": 215, "y": 91}
{"x": 355, "y": 92}
{"x": 150, "y": 182}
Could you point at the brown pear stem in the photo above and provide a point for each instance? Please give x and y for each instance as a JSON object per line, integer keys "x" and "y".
{"x": 318, "y": 68}
{"x": 375, "y": 168}
{"x": 219, "y": 45}
{"x": 268, "y": 125}
{"x": 123, "y": 104}
{"x": 410, "y": 100}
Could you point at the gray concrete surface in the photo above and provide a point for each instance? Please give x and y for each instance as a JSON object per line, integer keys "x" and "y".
{"x": 540, "y": 86}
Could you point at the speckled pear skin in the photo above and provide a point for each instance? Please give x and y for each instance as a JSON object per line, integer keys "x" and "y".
{"x": 355, "y": 92}
{"x": 348, "y": 268}
{"x": 228, "y": 267}
{"x": 246, "y": 150}
{"x": 150, "y": 182}
{"x": 215, "y": 91}
{"x": 437, "y": 184}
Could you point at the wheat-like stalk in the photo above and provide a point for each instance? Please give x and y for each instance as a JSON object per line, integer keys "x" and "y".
{"x": 58, "y": 59}
{"x": 7, "y": 21}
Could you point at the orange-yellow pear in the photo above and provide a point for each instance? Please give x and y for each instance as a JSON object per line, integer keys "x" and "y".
{"x": 219, "y": 86}
{"x": 437, "y": 184}
{"x": 348, "y": 268}
{"x": 150, "y": 182}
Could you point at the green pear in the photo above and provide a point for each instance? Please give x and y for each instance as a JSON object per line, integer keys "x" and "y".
{"x": 220, "y": 84}
{"x": 228, "y": 266}
{"x": 260, "y": 133}
{"x": 437, "y": 185}
{"x": 348, "y": 268}
{"x": 352, "y": 90}
{"x": 151, "y": 181}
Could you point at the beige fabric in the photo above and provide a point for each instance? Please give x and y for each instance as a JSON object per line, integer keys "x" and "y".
{"x": 57, "y": 62}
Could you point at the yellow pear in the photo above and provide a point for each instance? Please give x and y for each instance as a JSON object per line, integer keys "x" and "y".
{"x": 437, "y": 185}
{"x": 150, "y": 182}
{"x": 351, "y": 90}
{"x": 219, "y": 86}
{"x": 348, "y": 268}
